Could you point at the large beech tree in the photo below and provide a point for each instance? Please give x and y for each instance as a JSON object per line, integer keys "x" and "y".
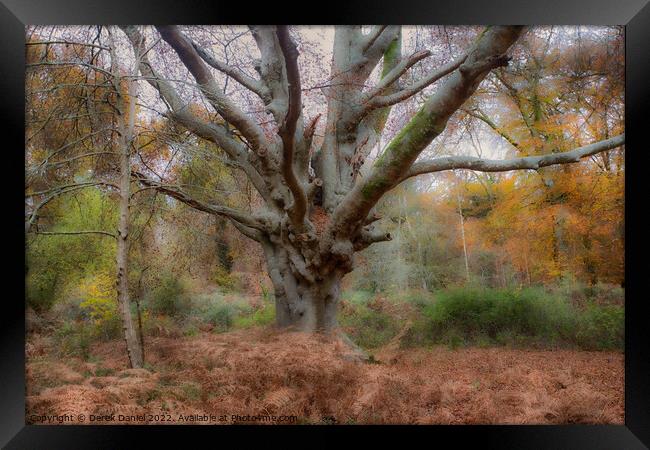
{"x": 317, "y": 210}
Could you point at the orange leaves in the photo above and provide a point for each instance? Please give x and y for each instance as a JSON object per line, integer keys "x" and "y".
{"x": 572, "y": 225}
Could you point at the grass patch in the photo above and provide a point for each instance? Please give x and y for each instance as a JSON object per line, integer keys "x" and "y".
{"x": 261, "y": 317}
{"x": 191, "y": 391}
{"x": 358, "y": 297}
{"x": 104, "y": 372}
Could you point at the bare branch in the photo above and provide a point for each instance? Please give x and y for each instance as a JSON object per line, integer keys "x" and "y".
{"x": 75, "y": 186}
{"x": 178, "y": 194}
{"x": 409, "y": 91}
{"x": 74, "y": 233}
{"x": 369, "y": 236}
{"x": 396, "y": 72}
{"x": 311, "y": 128}
{"x": 71, "y": 144}
{"x": 372, "y": 217}
{"x": 179, "y": 112}
{"x": 373, "y": 53}
{"x": 372, "y": 36}
{"x": 418, "y": 133}
{"x": 288, "y": 127}
{"x": 249, "y": 232}
{"x": 478, "y": 114}
{"x": 528, "y": 162}
{"x": 250, "y": 83}
{"x": 68, "y": 63}
{"x": 85, "y": 44}
{"x": 53, "y": 193}
{"x": 222, "y": 104}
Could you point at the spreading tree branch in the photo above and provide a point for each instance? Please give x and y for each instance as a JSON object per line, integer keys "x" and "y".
{"x": 528, "y": 162}
{"x": 394, "y": 74}
{"x": 222, "y": 104}
{"x": 369, "y": 236}
{"x": 183, "y": 197}
{"x": 375, "y": 47}
{"x": 373, "y": 36}
{"x": 478, "y": 114}
{"x": 180, "y": 113}
{"x": 247, "y": 231}
{"x": 51, "y": 194}
{"x": 409, "y": 91}
{"x": 418, "y": 133}
{"x": 288, "y": 127}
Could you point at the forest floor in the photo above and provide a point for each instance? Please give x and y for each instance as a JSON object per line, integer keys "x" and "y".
{"x": 265, "y": 376}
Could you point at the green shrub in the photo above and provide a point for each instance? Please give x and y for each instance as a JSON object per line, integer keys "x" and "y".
{"x": 191, "y": 391}
{"x": 159, "y": 326}
{"x": 74, "y": 339}
{"x": 201, "y": 303}
{"x": 485, "y": 312}
{"x": 169, "y": 297}
{"x": 224, "y": 311}
{"x": 267, "y": 295}
{"x": 518, "y": 317}
{"x": 420, "y": 333}
{"x": 221, "y": 315}
{"x": 104, "y": 371}
{"x": 581, "y": 294}
{"x": 419, "y": 298}
{"x": 601, "y": 327}
{"x": 108, "y": 329}
{"x": 191, "y": 331}
{"x": 40, "y": 292}
{"x": 70, "y": 310}
{"x": 453, "y": 339}
{"x": 223, "y": 278}
{"x": 367, "y": 327}
{"x": 607, "y": 294}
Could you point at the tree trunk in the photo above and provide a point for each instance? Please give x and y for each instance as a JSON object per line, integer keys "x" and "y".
{"x": 126, "y": 120}
{"x": 304, "y": 301}
{"x": 311, "y": 307}
{"x": 133, "y": 346}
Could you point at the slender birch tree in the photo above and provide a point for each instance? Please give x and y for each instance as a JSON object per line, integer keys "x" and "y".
{"x": 103, "y": 104}
{"x": 126, "y": 102}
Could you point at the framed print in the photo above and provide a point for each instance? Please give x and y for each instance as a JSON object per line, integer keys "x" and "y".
{"x": 428, "y": 226}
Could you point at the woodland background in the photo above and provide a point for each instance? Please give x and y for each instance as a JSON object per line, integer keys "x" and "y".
{"x": 515, "y": 260}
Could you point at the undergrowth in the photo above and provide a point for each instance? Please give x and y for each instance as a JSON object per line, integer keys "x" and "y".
{"x": 562, "y": 316}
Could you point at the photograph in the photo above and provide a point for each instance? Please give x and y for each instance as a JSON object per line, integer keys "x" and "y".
{"x": 346, "y": 225}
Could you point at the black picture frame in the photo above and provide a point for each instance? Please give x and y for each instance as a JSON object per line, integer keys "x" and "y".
{"x": 634, "y": 14}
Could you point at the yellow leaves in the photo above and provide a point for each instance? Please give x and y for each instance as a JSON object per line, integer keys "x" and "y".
{"x": 531, "y": 144}
{"x": 99, "y": 296}
{"x": 152, "y": 149}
